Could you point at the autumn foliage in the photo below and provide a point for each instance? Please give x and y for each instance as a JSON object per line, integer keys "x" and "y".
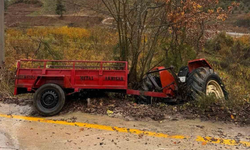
{"x": 58, "y": 43}
{"x": 175, "y": 26}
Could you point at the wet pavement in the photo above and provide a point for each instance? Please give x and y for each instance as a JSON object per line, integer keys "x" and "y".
{"x": 24, "y": 134}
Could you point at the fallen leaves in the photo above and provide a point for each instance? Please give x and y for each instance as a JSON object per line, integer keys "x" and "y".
{"x": 158, "y": 112}
{"x": 109, "y": 112}
{"x": 140, "y": 136}
{"x": 232, "y": 117}
{"x": 81, "y": 129}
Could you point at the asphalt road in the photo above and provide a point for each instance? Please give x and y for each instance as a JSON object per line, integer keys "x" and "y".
{"x": 94, "y": 132}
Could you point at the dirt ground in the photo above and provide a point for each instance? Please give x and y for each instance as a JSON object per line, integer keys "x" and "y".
{"x": 124, "y": 108}
{"x": 29, "y": 135}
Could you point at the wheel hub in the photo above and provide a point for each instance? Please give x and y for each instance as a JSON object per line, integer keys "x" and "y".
{"x": 49, "y": 99}
{"x": 215, "y": 89}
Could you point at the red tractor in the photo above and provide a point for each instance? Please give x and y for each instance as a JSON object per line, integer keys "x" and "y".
{"x": 52, "y": 81}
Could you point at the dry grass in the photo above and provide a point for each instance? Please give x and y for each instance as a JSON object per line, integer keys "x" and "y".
{"x": 6, "y": 83}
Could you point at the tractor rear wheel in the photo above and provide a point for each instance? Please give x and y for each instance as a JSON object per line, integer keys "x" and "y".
{"x": 49, "y": 99}
{"x": 205, "y": 81}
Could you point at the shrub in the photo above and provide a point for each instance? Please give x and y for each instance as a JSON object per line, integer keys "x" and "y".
{"x": 6, "y": 4}
{"x": 6, "y": 83}
{"x": 28, "y": 1}
{"x": 244, "y": 22}
{"x": 233, "y": 66}
{"x": 60, "y": 8}
{"x": 221, "y": 42}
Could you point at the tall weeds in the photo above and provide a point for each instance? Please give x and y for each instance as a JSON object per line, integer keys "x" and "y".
{"x": 6, "y": 83}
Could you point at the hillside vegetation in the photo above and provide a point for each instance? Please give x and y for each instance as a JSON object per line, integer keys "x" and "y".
{"x": 238, "y": 18}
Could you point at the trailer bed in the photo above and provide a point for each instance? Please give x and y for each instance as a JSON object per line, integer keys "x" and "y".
{"x": 76, "y": 75}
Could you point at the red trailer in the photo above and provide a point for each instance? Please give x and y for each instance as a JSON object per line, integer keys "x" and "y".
{"x": 51, "y": 81}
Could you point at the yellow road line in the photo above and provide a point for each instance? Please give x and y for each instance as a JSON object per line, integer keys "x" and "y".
{"x": 132, "y": 131}
{"x": 96, "y": 126}
{"x": 222, "y": 141}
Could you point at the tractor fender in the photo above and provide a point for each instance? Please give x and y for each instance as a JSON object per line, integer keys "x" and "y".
{"x": 197, "y": 63}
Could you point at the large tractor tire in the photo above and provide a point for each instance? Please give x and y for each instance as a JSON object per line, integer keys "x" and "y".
{"x": 205, "y": 81}
{"x": 147, "y": 85}
{"x": 49, "y": 99}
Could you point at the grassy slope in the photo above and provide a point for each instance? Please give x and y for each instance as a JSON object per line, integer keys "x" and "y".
{"x": 73, "y": 7}
{"x": 48, "y": 7}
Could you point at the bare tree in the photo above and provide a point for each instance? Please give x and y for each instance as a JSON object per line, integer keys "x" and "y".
{"x": 139, "y": 24}
{"x": 142, "y": 26}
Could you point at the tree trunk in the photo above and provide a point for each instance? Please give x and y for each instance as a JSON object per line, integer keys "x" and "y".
{"x": 133, "y": 72}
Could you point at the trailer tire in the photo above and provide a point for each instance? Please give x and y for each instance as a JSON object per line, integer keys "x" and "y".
{"x": 49, "y": 99}
{"x": 204, "y": 81}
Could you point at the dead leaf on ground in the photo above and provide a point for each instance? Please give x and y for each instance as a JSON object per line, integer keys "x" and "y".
{"x": 140, "y": 136}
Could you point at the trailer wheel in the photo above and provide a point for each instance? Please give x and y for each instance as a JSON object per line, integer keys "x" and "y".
{"x": 49, "y": 99}
{"x": 205, "y": 81}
